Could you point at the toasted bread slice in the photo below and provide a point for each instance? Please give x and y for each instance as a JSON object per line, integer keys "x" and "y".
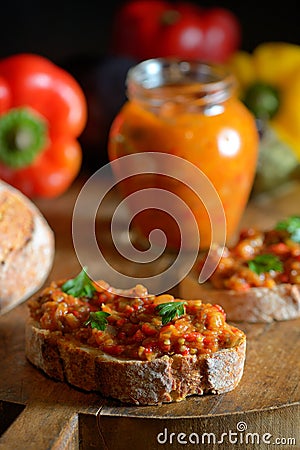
{"x": 26, "y": 248}
{"x": 211, "y": 361}
{"x": 255, "y": 280}
{"x": 164, "y": 379}
{"x": 257, "y": 304}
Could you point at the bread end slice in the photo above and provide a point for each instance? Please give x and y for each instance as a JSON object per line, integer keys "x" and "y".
{"x": 27, "y": 248}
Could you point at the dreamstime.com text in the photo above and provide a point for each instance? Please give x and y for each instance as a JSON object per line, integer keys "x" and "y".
{"x": 239, "y": 436}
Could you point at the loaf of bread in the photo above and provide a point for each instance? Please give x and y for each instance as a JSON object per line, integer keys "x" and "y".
{"x": 133, "y": 346}
{"x": 257, "y": 279}
{"x": 26, "y": 248}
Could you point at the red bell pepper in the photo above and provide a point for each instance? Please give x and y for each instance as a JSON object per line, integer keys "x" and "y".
{"x": 146, "y": 29}
{"x": 43, "y": 111}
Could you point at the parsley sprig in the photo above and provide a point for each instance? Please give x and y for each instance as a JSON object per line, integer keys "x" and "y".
{"x": 292, "y": 226}
{"x": 265, "y": 263}
{"x": 168, "y": 311}
{"x": 98, "y": 320}
{"x": 80, "y": 286}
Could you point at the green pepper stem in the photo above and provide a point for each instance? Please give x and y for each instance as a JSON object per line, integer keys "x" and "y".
{"x": 263, "y": 100}
{"x": 23, "y": 135}
{"x": 170, "y": 17}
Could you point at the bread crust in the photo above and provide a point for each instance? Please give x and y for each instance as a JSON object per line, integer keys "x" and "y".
{"x": 162, "y": 380}
{"x": 28, "y": 254}
{"x": 257, "y": 304}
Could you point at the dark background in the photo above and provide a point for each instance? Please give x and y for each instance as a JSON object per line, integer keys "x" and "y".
{"x": 63, "y": 29}
{"x": 76, "y": 35}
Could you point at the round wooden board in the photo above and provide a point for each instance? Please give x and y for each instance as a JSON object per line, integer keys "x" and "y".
{"x": 264, "y": 408}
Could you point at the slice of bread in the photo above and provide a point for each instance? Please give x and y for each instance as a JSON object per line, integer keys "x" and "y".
{"x": 26, "y": 248}
{"x": 255, "y": 280}
{"x": 74, "y": 357}
{"x": 257, "y": 304}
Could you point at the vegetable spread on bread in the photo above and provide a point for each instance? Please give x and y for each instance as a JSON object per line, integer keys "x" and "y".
{"x": 136, "y": 325}
{"x": 179, "y": 347}
{"x": 261, "y": 258}
{"x": 258, "y": 278}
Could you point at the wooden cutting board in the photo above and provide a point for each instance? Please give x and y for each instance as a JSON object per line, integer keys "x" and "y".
{"x": 37, "y": 413}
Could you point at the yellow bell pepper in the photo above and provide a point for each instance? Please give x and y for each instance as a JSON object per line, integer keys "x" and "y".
{"x": 272, "y": 73}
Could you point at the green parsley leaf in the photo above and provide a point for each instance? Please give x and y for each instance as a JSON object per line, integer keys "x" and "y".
{"x": 292, "y": 226}
{"x": 168, "y": 311}
{"x": 265, "y": 263}
{"x": 80, "y": 286}
{"x": 98, "y": 320}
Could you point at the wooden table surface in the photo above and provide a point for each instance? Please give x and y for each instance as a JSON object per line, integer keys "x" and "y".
{"x": 37, "y": 413}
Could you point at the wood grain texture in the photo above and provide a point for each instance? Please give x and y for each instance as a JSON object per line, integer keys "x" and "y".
{"x": 53, "y": 415}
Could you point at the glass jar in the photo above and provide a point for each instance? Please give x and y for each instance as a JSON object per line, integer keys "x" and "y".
{"x": 188, "y": 109}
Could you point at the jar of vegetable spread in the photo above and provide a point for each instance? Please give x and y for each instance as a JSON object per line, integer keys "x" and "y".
{"x": 186, "y": 109}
